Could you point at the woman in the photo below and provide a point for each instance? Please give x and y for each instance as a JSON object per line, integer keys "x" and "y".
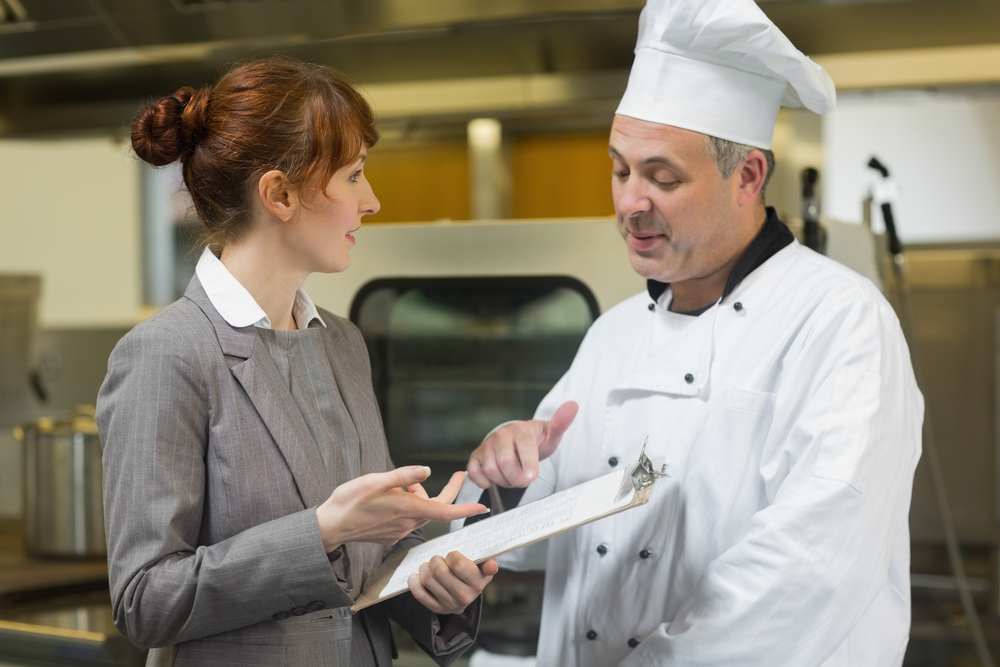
{"x": 230, "y": 416}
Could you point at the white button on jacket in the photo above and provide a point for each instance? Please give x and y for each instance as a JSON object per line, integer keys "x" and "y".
{"x": 791, "y": 428}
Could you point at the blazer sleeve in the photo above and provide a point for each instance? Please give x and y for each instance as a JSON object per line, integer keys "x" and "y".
{"x": 153, "y": 413}
{"x": 443, "y": 637}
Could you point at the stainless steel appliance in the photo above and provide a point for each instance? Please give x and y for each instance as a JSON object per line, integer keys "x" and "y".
{"x": 18, "y": 328}
{"x": 63, "y": 512}
{"x": 453, "y": 357}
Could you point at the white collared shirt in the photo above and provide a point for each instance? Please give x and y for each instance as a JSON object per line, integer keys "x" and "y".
{"x": 235, "y": 303}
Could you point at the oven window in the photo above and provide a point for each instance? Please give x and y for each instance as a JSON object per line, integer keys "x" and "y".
{"x": 453, "y": 357}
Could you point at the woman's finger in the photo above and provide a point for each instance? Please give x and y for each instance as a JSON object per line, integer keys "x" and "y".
{"x": 420, "y": 508}
{"x": 451, "y": 489}
{"x": 417, "y": 490}
{"x": 421, "y": 595}
{"x": 400, "y": 478}
{"x": 489, "y": 568}
{"x": 474, "y": 576}
{"x": 434, "y": 578}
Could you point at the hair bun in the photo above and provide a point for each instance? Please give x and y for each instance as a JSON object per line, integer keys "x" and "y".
{"x": 165, "y": 131}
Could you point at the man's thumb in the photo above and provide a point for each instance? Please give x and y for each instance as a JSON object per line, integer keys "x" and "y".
{"x": 556, "y": 426}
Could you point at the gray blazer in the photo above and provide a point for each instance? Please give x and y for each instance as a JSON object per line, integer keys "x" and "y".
{"x": 211, "y": 483}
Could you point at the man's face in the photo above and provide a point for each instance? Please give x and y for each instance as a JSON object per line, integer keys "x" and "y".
{"x": 674, "y": 209}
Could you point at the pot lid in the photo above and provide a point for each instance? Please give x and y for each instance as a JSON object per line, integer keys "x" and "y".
{"x": 82, "y": 420}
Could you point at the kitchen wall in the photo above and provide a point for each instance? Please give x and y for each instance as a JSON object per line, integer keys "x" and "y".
{"x": 427, "y": 181}
{"x": 942, "y": 147}
{"x": 554, "y": 174}
{"x": 70, "y": 212}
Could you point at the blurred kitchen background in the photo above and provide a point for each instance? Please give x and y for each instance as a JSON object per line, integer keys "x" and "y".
{"x": 493, "y": 251}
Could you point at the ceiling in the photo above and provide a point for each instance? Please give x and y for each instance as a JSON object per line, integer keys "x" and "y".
{"x": 76, "y": 65}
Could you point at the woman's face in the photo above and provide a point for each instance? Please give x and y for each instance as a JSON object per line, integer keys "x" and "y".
{"x": 321, "y": 232}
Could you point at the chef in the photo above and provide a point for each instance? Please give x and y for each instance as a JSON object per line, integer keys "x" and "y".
{"x": 775, "y": 383}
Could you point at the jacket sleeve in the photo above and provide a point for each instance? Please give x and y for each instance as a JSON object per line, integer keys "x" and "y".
{"x": 838, "y": 469}
{"x": 166, "y": 586}
{"x": 444, "y": 638}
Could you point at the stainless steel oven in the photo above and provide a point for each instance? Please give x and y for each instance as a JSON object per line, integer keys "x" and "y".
{"x": 453, "y": 357}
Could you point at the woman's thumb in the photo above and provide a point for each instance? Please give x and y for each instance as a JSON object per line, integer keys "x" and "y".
{"x": 403, "y": 477}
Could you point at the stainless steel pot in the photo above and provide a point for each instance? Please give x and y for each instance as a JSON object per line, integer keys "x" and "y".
{"x": 63, "y": 512}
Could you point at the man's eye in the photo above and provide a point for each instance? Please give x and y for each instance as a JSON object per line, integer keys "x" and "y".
{"x": 619, "y": 174}
{"x": 663, "y": 184}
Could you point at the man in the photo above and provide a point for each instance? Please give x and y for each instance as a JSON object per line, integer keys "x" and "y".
{"x": 775, "y": 383}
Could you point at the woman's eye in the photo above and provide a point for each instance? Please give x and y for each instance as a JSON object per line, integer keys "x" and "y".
{"x": 355, "y": 176}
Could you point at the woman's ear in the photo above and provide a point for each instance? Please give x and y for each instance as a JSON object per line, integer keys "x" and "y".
{"x": 276, "y": 196}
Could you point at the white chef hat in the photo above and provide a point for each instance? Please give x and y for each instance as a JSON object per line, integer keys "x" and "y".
{"x": 719, "y": 67}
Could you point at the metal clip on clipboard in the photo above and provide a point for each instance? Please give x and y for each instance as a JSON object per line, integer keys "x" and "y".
{"x": 642, "y": 475}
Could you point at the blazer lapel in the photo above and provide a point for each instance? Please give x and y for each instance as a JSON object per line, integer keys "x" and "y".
{"x": 262, "y": 382}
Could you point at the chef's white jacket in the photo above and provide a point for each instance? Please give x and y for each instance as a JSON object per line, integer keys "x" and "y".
{"x": 789, "y": 418}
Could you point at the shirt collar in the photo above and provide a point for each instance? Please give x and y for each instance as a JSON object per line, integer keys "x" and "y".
{"x": 237, "y": 307}
{"x": 773, "y": 236}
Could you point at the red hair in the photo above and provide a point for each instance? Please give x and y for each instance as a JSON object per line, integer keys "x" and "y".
{"x": 304, "y": 120}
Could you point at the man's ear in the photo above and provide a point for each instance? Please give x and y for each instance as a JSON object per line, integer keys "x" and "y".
{"x": 751, "y": 178}
{"x": 276, "y": 196}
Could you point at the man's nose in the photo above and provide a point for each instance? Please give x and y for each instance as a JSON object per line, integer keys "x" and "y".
{"x": 632, "y": 200}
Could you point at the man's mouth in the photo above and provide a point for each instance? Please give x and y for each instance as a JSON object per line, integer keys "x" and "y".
{"x": 644, "y": 241}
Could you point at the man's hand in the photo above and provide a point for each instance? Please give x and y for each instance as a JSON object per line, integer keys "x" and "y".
{"x": 510, "y": 457}
{"x": 449, "y": 585}
{"x": 386, "y": 507}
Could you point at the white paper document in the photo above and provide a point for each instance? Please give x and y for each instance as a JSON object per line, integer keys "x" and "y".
{"x": 514, "y": 528}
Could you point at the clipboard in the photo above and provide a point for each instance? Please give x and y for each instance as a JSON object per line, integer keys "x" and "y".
{"x": 518, "y": 527}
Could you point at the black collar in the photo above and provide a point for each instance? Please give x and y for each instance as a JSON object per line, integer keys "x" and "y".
{"x": 773, "y": 236}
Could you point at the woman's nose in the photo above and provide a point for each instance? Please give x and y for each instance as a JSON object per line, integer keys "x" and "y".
{"x": 370, "y": 204}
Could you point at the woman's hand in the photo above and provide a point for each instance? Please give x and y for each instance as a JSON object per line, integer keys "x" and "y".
{"x": 449, "y": 585}
{"x": 386, "y": 507}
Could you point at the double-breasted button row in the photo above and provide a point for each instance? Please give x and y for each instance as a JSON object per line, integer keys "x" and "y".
{"x": 315, "y": 605}
{"x": 592, "y": 635}
{"x": 602, "y": 550}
